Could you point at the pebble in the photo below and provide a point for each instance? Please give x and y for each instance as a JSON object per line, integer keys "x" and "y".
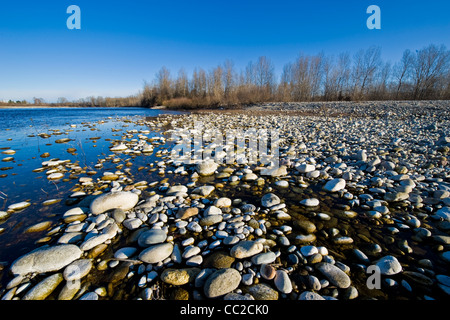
{"x": 335, "y": 275}
{"x": 270, "y": 200}
{"x": 267, "y": 271}
{"x": 389, "y": 265}
{"x": 44, "y": 288}
{"x": 156, "y": 253}
{"x": 46, "y": 259}
{"x": 206, "y": 168}
{"x": 313, "y": 202}
{"x": 19, "y": 206}
{"x": 334, "y": 185}
{"x": 264, "y": 258}
{"x": 124, "y": 200}
{"x": 152, "y": 236}
{"x": 77, "y": 269}
{"x": 222, "y": 282}
{"x": 262, "y": 291}
{"x": 310, "y": 295}
{"x": 308, "y": 250}
{"x": 179, "y": 277}
{"x": 245, "y": 249}
{"x": 282, "y": 282}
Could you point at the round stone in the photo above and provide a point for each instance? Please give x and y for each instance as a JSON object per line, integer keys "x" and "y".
{"x": 389, "y": 265}
{"x": 335, "y": 275}
{"x": 222, "y": 282}
{"x": 245, "y": 249}
{"x": 152, "y": 236}
{"x": 179, "y": 277}
{"x": 124, "y": 200}
{"x": 46, "y": 259}
{"x": 334, "y": 185}
{"x": 269, "y": 200}
{"x": 156, "y": 253}
{"x": 313, "y": 202}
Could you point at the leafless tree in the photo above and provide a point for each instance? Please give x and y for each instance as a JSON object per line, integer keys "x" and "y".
{"x": 430, "y": 65}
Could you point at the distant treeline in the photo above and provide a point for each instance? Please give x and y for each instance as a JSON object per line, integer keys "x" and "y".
{"x": 420, "y": 75}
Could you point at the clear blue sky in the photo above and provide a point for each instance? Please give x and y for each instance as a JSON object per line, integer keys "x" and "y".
{"x": 123, "y": 43}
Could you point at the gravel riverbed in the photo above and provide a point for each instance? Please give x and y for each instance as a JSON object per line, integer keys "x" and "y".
{"x": 358, "y": 208}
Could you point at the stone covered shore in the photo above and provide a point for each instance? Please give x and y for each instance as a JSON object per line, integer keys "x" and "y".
{"x": 360, "y": 187}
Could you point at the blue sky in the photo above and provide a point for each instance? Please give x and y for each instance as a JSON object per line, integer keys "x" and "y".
{"x": 122, "y": 43}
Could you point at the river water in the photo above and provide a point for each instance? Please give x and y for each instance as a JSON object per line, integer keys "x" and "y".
{"x": 32, "y": 133}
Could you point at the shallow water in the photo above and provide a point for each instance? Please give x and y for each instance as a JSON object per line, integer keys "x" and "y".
{"x": 90, "y": 131}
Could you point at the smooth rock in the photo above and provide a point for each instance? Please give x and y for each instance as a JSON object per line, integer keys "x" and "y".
{"x": 282, "y": 282}
{"x": 308, "y": 250}
{"x": 334, "y": 185}
{"x": 222, "y": 282}
{"x": 389, "y": 265}
{"x": 152, "y": 236}
{"x": 305, "y": 168}
{"x": 309, "y": 295}
{"x": 264, "y": 258}
{"x": 93, "y": 242}
{"x": 204, "y": 190}
{"x": 262, "y": 291}
{"x": 179, "y": 277}
{"x": 267, "y": 271}
{"x": 335, "y": 275}
{"x": 44, "y": 288}
{"x": 313, "y": 202}
{"x": 245, "y": 249}
{"x": 223, "y": 202}
{"x": 77, "y": 269}
{"x": 156, "y": 253}
{"x": 206, "y": 168}
{"x": 212, "y": 210}
{"x": 269, "y": 200}
{"x": 125, "y": 253}
{"x": 187, "y": 212}
{"x": 219, "y": 260}
{"x": 46, "y": 259}
{"x": 124, "y": 200}
{"x": 19, "y": 206}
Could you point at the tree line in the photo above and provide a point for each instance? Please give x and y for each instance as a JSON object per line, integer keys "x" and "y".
{"x": 419, "y": 75}
{"x": 422, "y": 74}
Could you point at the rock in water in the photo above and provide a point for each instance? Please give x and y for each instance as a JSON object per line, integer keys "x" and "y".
{"x": 335, "y": 275}
{"x": 206, "y": 168}
{"x": 222, "y": 282}
{"x": 245, "y": 249}
{"x": 334, "y": 185}
{"x": 124, "y": 200}
{"x": 156, "y": 253}
{"x": 46, "y": 259}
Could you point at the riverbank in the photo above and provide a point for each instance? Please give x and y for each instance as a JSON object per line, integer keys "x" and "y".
{"x": 358, "y": 208}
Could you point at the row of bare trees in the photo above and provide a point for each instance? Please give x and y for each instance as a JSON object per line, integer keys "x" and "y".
{"x": 420, "y": 74}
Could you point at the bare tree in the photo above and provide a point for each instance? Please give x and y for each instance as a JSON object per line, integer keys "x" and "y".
{"x": 366, "y": 63}
{"x": 229, "y": 79}
{"x": 181, "y": 84}
{"x": 430, "y": 64}
{"x": 402, "y": 70}
{"x": 164, "y": 84}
